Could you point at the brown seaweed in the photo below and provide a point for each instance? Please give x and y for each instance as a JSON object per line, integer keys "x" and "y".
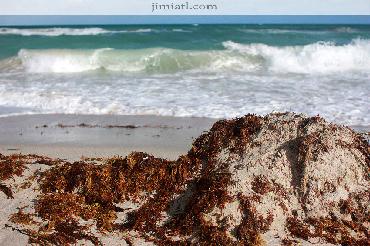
{"x": 91, "y": 190}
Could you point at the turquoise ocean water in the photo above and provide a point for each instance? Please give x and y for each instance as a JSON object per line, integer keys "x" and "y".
{"x": 187, "y": 70}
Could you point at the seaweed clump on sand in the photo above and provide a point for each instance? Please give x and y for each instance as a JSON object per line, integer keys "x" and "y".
{"x": 246, "y": 181}
{"x": 14, "y": 165}
{"x": 209, "y": 187}
{"x": 10, "y": 166}
{"x": 86, "y": 191}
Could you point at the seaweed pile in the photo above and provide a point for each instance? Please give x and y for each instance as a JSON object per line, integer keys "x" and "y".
{"x": 10, "y": 166}
{"x": 14, "y": 165}
{"x": 279, "y": 179}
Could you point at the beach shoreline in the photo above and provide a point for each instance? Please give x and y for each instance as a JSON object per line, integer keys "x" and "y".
{"x": 74, "y": 136}
{"x": 185, "y": 134}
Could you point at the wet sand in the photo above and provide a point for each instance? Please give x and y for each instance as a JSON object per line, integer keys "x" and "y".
{"x": 73, "y": 136}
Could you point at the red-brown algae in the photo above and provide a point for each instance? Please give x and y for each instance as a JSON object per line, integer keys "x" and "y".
{"x": 248, "y": 181}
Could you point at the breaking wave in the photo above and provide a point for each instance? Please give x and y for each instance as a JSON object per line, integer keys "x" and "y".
{"x": 316, "y": 58}
{"x": 320, "y": 57}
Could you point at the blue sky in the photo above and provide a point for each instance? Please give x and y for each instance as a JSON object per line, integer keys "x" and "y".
{"x": 22, "y": 12}
{"x": 225, "y": 7}
{"x": 96, "y": 20}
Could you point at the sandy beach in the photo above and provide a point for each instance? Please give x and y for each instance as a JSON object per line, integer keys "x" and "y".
{"x": 255, "y": 180}
{"x": 73, "y": 136}
{"x": 215, "y": 134}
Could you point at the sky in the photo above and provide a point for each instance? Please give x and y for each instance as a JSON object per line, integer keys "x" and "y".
{"x": 109, "y": 20}
{"x": 225, "y": 7}
{"x": 17, "y": 12}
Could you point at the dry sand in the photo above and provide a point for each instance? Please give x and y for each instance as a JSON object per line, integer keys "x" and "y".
{"x": 279, "y": 179}
{"x": 62, "y": 136}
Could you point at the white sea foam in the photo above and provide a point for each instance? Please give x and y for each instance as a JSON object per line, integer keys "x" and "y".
{"x": 180, "y": 30}
{"x": 58, "y": 31}
{"x": 320, "y": 78}
{"x": 299, "y": 31}
{"x": 346, "y": 29}
{"x": 201, "y": 95}
{"x": 321, "y": 57}
{"x": 281, "y": 31}
{"x": 316, "y": 58}
{"x": 156, "y": 60}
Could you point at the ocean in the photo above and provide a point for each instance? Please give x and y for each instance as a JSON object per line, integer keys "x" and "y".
{"x": 212, "y": 71}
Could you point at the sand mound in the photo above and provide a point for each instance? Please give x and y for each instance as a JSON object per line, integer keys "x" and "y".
{"x": 296, "y": 177}
{"x": 278, "y": 179}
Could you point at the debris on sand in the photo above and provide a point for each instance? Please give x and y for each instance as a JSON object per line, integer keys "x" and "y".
{"x": 282, "y": 179}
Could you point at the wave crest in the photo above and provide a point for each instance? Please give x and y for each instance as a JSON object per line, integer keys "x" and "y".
{"x": 320, "y": 57}
{"x": 317, "y": 58}
{"x": 59, "y": 31}
{"x": 156, "y": 60}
